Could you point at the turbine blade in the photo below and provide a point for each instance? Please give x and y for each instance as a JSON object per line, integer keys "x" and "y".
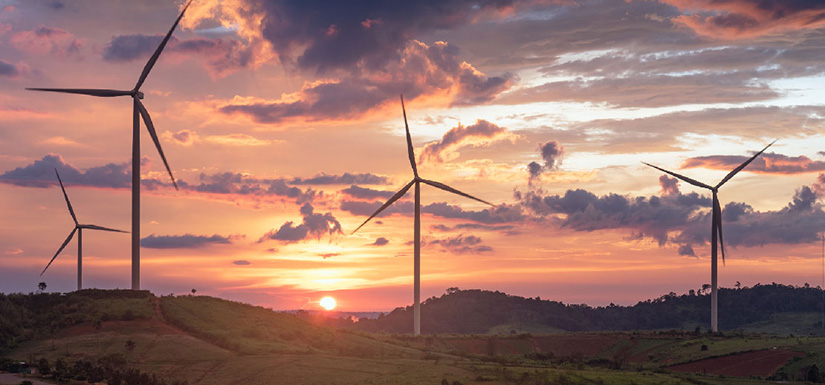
{"x": 84, "y": 91}
{"x": 410, "y": 151}
{"x": 717, "y": 213}
{"x": 63, "y": 246}
{"x": 392, "y": 200}
{"x": 454, "y": 191}
{"x": 156, "y": 55}
{"x": 151, "y": 127}
{"x": 96, "y": 227}
{"x": 69, "y": 204}
{"x": 743, "y": 165}
{"x": 682, "y": 177}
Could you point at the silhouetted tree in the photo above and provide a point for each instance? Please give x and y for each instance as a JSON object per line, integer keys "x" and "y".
{"x": 43, "y": 366}
{"x": 41, "y": 287}
{"x": 130, "y": 345}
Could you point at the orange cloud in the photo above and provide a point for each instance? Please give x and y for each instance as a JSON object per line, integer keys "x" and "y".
{"x": 735, "y": 19}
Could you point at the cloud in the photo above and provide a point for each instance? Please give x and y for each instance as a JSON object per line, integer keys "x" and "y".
{"x": 8, "y": 70}
{"x": 346, "y": 178}
{"x": 767, "y": 163}
{"x": 421, "y": 70}
{"x": 186, "y": 241}
{"x": 47, "y": 40}
{"x": 681, "y": 219}
{"x": 381, "y": 241}
{"x": 732, "y": 19}
{"x": 670, "y": 186}
{"x": 460, "y": 244}
{"x": 223, "y": 56}
{"x": 241, "y": 262}
{"x": 500, "y": 214}
{"x": 366, "y": 193}
{"x": 237, "y": 140}
{"x": 41, "y": 174}
{"x": 313, "y": 225}
{"x": 552, "y": 153}
{"x": 482, "y": 133}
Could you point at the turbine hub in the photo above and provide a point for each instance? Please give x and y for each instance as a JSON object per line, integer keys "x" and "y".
{"x": 138, "y": 94}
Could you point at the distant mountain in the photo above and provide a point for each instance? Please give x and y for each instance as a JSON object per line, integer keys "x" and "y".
{"x": 480, "y": 311}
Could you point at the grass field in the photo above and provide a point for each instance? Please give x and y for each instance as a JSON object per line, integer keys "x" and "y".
{"x": 211, "y": 341}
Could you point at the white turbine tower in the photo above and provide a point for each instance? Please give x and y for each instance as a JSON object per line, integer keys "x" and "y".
{"x": 138, "y": 112}
{"x": 417, "y": 180}
{"x": 79, "y": 229}
{"x": 716, "y": 229}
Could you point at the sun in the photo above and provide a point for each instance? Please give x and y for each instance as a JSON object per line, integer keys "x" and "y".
{"x": 328, "y": 303}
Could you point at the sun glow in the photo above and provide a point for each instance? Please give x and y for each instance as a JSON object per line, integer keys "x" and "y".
{"x": 328, "y": 303}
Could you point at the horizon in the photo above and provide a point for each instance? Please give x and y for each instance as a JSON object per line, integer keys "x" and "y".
{"x": 283, "y": 143}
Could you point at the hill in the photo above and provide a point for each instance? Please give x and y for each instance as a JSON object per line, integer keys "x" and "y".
{"x": 126, "y": 338}
{"x": 773, "y": 308}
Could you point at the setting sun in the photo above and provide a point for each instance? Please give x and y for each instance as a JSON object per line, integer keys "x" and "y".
{"x": 328, "y": 303}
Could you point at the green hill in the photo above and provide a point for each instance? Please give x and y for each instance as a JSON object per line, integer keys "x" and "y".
{"x": 773, "y": 308}
{"x": 198, "y": 340}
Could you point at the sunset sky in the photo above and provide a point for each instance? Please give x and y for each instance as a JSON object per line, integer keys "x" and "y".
{"x": 281, "y": 121}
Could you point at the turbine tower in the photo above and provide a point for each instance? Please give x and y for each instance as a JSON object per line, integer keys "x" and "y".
{"x": 138, "y": 112}
{"x": 417, "y": 180}
{"x": 715, "y": 229}
{"x": 79, "y": 229}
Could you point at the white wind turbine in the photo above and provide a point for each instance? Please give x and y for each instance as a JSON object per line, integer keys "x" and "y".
{"x": 138, "y": 112}
{"x": 79, "y": 229}
{"x": 417, "y": 180}
{"x": 716, "y": 229}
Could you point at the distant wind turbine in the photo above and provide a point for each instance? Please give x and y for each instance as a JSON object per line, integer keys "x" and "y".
{"x": 716, "y": 229}
{"x": 417, "y": 222}
{"x": 138, "y": 112}
{"x": 79, "y": 229}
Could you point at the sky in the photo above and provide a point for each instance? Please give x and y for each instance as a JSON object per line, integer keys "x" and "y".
{"x": 282, "y": 124}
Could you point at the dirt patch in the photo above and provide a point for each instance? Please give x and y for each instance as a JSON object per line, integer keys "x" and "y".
{"x": 585, "y": 345}
{"x": 760, "y": 363}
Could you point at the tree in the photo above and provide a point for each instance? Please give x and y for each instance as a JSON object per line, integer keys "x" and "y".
{"x": 43, "y": 366}
{"x": 738, "y": 285}
{"x": 60, "y": 368}
{"x": 193, "y": 291}
{"x": 41, "y": 287}
{"x": 130, "y": 345}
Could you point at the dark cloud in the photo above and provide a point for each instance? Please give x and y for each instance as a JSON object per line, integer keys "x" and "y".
{"x": 767, "y": 163}
{"x": 241, "y": 262}
{"x": 478, "y": 134}
{"x": 8, "y": 70}
{"x": 732, "y": 19}
{"x": 186, "y": 241}
{"x": 670, "y": 186}
{"x": 366, "y": 193}
{"x": 381, "y": 241}
{"x": 686, "y": 250}
{"x": 681, "y": 219}
{"x": 460, "y": 244}
{"x": 346, "y": 178}
{"x": 552, "y": 153}
{"x": 420, "y": 70}
{"x": 329, "y": 255}
{"x": 499, "y": 214}
{"x": 329, "y": 35}
{"x": 41, "y": 174}
{"x": 313, "y": 225}
{"x": 223, "y": 56}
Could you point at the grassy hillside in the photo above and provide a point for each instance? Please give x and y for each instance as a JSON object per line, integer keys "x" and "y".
{"x": 771, "y": 308}
{"x": 204, "y": 341}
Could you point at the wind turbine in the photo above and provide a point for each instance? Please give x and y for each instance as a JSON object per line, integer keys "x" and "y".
{"x": 138, "y": 112}
{"x": 417, "y": 180}
{"x": 79, "y": 229}
{"x": 715, "y": 228}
